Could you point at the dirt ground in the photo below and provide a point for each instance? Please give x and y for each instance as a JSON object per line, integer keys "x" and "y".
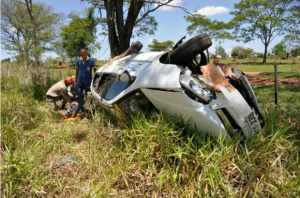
{"x": 255, "y": 78}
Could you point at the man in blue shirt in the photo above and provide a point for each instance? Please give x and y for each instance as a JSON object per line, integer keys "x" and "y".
{"x": 83, "y": 77}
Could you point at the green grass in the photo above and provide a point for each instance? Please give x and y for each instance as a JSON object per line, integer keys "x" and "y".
{"x": 246, "y": 65}
{"x": 151, "y": 157}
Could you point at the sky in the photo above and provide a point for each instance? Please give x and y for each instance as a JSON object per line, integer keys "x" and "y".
{"x": 171, "y": 24}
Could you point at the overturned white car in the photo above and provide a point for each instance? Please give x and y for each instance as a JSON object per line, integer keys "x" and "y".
{"x": 215, "y": 99}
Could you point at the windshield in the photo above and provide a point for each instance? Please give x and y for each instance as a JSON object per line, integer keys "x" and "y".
{"x": 109, "y": 86}
{"x": 115, "y": 88}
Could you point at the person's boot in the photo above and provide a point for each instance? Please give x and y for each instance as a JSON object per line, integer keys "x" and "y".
{"x": 63, "y": 107}
{"x": 74, "y": 114}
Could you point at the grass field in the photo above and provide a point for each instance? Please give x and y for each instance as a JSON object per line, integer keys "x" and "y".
{"x": 43, "y": 156}
{"x": 286, "y": 68}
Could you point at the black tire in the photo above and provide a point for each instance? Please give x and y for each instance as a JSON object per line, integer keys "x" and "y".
{"x": 189, "y": 49}
{"x": 134, "y": 48}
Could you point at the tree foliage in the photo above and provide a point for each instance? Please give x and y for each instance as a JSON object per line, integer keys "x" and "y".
{"x": 295, "y": 10}
{"x": 262, "y": 19}
{"x": 279, "y": 50}
{"x": 295, "y": 52}
{"x": 290, "y": 42}
{"x": 217, "y": 30}
{"x": 242, "y": 52}
{"x": 220, "y": 51}
{"x": 125, "y": 19}
{"x": 79, "y": 33}
{"x": 6, "y": 60}
{"x": 286, "y": 46}
{"x": 16, "y": 27}
{"x": 160, "y": 46}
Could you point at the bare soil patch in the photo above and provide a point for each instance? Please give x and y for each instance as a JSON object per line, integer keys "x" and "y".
{"x": 254, "y": 78}
{"x": 268, "y": 81}
{"x": 252, "y": 73}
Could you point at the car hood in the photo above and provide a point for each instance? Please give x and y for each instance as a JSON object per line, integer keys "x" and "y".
{"x": 148, "y": 71}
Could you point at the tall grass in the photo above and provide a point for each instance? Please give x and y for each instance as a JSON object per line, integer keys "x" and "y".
{"x": 150, "y": 157}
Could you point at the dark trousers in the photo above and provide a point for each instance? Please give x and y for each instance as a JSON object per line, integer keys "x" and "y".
{"x": 80, "y": 87}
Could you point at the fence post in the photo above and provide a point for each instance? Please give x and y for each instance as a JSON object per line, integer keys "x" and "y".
{"x": 276, "y": 84}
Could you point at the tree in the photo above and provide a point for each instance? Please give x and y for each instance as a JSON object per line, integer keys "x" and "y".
{"x": 295, "y": 10}
{"x": 16, "y": 27}
{"x": 160, "y": 46}
{"x": 36, "y": 49}
{"x": 234, "y": 53}
{"x": 295, "y": 52}
{"x": 279, "y": 50}
{"x": 262, "y": 19}
{"x": 6, "y": 60}
{"x": 242, "y": 52}
{"x": 259, "y": 54}
{"x": 285, "y": 47}
{"x": 215, "y": 29}
{"x": 79, "y": 33}
{"x": 291, "y": 42}
{"x": 124, "y": 18}
{"x": 220, "y": 51}
{"x": 51, "y": 60}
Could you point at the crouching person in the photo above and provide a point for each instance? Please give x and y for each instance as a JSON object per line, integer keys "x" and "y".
{"x": 59, "y": 92}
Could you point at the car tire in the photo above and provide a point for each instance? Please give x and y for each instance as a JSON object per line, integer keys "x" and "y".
{"x": 189, "y": 49}
{"x": 134, "y": 48}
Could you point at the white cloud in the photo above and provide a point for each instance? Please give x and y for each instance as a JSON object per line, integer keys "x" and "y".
{"x": 172, "y": 3}
{"x": 212, "y": 10}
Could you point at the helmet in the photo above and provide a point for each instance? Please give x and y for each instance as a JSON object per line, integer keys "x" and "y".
{"x": 69, "y": 80}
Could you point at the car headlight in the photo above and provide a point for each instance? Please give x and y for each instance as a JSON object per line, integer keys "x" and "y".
{"x": 204, "y": 93}
{"x": 197, "y": 90}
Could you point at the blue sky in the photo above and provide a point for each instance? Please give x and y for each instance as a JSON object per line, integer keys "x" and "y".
{"x": 171, "y": 23}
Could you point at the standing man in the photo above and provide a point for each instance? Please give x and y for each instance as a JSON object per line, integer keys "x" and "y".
{"x": 83, "y": 77}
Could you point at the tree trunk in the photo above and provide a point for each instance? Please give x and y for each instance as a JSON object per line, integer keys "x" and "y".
{"x": 36, "y": 52}
{"x": 265, "y": 53}
{"x": 287, "y": 55}
{"x": 112, "y": 37}
{"x": 120, "y": 33}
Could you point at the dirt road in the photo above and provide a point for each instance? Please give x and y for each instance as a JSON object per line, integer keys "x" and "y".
{"x": 255, "y": 78}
